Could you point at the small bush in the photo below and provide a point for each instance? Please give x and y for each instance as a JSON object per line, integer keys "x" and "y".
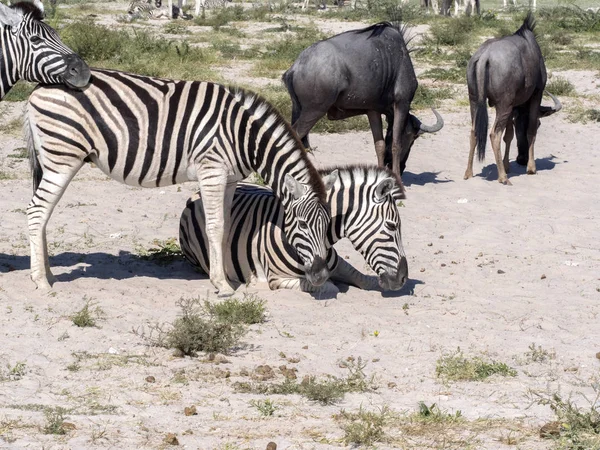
{"x": 560, "y": 86}
{"x": 456, "y": 367}
{"x": 537, "y": 354}
{"x": 197, "y": 331}
{"x": 363, "y": 427}
{"x": 454, "y": 75}
{"x": 164, "y": 253}
{"x": 265, "y": 407}
{"x": 433, "y": 413}
{"x": 55, "y": 419}
{"x": 250, "y": 310}
{"x": 427, "y": 97}
{"x": 87, "y": 316}
{"x": 14, "y": 373}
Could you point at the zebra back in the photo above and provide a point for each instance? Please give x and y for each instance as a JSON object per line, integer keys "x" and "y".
{"x": 363, "y": 205}
{"x": 32, "y": 50}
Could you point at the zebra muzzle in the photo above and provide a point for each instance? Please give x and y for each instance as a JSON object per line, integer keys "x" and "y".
{"x": 395, "y": 281}
{"x": 317, "y": 273}
{"x": 77, "y": 73}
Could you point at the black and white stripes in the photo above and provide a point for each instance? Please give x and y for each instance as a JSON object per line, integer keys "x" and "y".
{"x": 32, "y": 50}
{"x": 363, "y": 203}
{"x": 151, "y": 132}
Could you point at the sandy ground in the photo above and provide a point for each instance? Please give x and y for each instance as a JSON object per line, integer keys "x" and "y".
{"x": 493, "y": 269}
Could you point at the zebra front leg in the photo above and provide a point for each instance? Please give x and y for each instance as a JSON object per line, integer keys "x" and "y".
{"x": 45, "y": 197}
{"x": 217, "y": 198}
{"x": 302, "y": 284}
{"x": 345, "y": 273}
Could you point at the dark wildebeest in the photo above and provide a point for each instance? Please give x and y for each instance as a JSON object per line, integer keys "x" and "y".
{"x": 510, "y": 74}
{"x": 365, "y": 71}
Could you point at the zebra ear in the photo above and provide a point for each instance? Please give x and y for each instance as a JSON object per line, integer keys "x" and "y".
{"x": 39, "y": 5}
{"x": 329, "y": 180}
{"x": 293, "y": 186}
{"x": 9, "y": 17}
{"x": 384, "y": 188}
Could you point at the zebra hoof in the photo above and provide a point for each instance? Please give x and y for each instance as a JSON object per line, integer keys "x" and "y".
{"x": 43, "y": 283}
{"x": 224, "y": 290}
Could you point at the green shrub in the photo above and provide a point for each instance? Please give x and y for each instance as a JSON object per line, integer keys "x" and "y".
{"x": 560, "y": 86}
{"x": 250, "y": 310}
{"x": 457, "y": 367}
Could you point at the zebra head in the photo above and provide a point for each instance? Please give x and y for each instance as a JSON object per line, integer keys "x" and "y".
{"x": 34, "y": 51}
{"x": 372, "y": 222}
{"x": 307, "y": 222}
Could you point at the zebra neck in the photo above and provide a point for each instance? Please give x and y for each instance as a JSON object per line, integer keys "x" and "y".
{"x": 8, "y": 69}
{"x": 341, "y": 214}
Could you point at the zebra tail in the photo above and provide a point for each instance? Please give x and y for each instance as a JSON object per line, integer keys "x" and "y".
{"x": 34, "y": 162}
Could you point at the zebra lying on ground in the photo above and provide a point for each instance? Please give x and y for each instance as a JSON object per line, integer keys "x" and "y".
{"x": 31, "y": 50}
{"x": 363, "y": 209}
{"x": 152, "y": 132}
{"x": 147, "y": 9}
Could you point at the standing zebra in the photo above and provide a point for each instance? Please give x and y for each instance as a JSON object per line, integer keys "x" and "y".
{"x": 363, "y": 209}
{"x": 151, "y": 132}
{"x": 32, "y": 50}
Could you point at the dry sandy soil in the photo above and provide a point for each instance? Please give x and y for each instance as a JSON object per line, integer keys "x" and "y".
{"x": 493, "y": 269}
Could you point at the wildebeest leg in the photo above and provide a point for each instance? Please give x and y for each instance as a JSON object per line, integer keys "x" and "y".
{"x": 400, "y": 117}
{"x": 304, "y": 124}
{"x": 508, "y": 137}
{"x": 472, "y": 144}
{"x": 502, "y": 117}
{"x": 532, "y": 127}
{"x": 377, "y": 130}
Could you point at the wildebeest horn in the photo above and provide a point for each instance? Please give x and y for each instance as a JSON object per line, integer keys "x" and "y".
{"x": 435, "y": 127}
{"x": 545, "y": 111}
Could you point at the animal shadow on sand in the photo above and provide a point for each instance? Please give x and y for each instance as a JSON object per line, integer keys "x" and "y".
{"x": 423, "y": 178}
{"x": 490, "y": 172}
{"x": 407, "y": 289}
{"x": 105, "y": 266}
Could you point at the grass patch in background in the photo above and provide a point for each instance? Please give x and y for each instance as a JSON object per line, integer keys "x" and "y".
{"x": 363, "y": 427}
{"x": 457, "y": 367}
{"x": 19, "y": 92}
{"x": 560, "y": 86}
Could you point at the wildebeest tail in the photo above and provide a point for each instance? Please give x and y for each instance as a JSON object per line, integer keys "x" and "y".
{"x": 481, "y": 114}
{"x": 288, "y": 80}
{"x": 34, "y": 162}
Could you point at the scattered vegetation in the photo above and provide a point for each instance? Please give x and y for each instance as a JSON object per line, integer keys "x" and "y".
{"x": 538, "y": 354}
{"x": 208, "y": 327}
{"x": 435, "y": 414}
{"x": 14, "y": 373}
{"x": 578, "y": 427}
{"x": 265, "y": 407}
{"x": 457, "y": 367}
{"x": 363, "y": 427}
{"x": 326, "y": 391}
{"x": 55, "y": 421}
{"x": 560, "y": 86}
{"x": 163, "y": 253}
{"x": 250, "y": 310}
{"x": 88, "y": 315}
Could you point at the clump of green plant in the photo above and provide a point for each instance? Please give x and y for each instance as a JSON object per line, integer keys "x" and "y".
{"x": 13, "y": 373}
{"x": 250, "y": 310}
{"x": 579, "y": 426}
{"x": 55, "y": 419}
{"x": 572, "y": 18}
{"x": 538, "y": 354}
{"x": 326, "y": 391}
{"x": 175, "y": 27}
{"x": 427, "y": 97}
{"x": 196, "y": 330}
{"x": 265, "y": 407}
{"x": 207, "y": 327}
{"x": 163, "y": 253}
{"x": 19, "y": 92}
{"x": 364, "y": 427}
{"x": 560, "y": 86}
{"x": 88, "y": 315}
{"x": 453, "y": 74}
{"x": 435, "y": 414}
{"x": 457, "y": 367}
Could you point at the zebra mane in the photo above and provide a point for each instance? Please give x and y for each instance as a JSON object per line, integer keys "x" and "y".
{"x": 255, "y": 103}
{"x": 29, "y": 7}
{"x": 368, "y": 173}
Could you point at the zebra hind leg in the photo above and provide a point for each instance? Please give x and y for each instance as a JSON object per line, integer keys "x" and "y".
{"x": 45, "y": 197}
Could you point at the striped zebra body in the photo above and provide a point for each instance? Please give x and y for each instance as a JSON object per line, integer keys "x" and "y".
{"x": 31, "y": 50}
{"x": 153, "y": 132}
{"x": 363, "y": 209}
{"x": 143, "y": 9}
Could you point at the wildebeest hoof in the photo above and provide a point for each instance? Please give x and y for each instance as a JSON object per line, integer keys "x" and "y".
{"x": 468, "y": 174}
{"x": 505, "y": 182}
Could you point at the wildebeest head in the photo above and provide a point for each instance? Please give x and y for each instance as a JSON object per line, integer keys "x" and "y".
{"x": 306, "y": 224}
{"x": 414, "y": 128}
